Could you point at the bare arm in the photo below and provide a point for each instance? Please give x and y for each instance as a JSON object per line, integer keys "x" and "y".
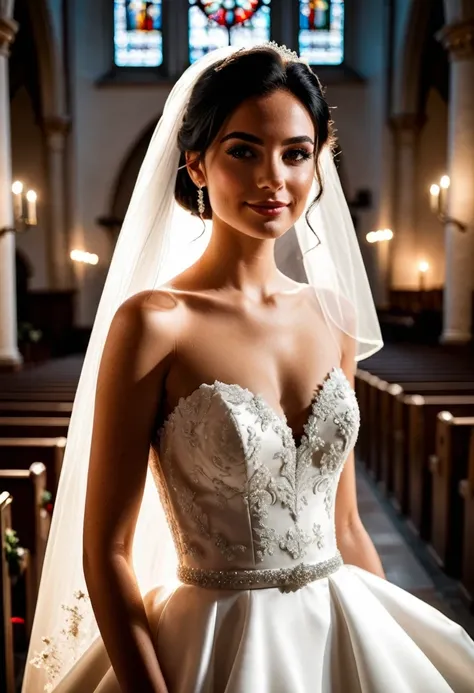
{"x": 353, "y": 541}
{"x": 138, "y": 348}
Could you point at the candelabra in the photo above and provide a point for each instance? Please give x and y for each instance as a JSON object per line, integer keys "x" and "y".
{"x": 24, "y": 210}
{"x": 439, "y": 203}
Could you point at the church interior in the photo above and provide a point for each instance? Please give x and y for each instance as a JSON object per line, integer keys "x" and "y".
{"x": 82, "y": 87}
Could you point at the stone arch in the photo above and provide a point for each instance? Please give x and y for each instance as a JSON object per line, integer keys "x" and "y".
{"x": 50, "y": 64}
{"x": 127, "y": 176}
{"x": 408, "y": 74}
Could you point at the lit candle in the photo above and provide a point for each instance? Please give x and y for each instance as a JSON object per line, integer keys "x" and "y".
{"x": 84, "y": 257}
{"x": 444, "y": 183}
{"x": 17, "y": 189}
{"x": 31, "y": 199}
{"x": 434, "y": 198}
{"x": 423, "y": 268}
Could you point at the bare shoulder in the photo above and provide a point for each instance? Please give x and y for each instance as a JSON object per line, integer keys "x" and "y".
{"x": 147, "y": 305}
{"x": 145, "y": 329}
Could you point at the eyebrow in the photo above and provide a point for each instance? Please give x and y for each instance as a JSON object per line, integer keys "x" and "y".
{"x": 247, "y": 137}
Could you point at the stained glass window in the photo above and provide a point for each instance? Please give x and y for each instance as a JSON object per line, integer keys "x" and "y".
{"x": 321, "y": 35}
{"x": 138, "y": 33}
{"x": 241, "y": 23}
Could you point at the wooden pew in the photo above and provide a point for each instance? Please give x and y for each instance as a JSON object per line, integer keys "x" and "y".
{"x": 30, "y": 521}
{"x": 395, "y": 434}
{"x": 7, "y": 667}
{"x": 421, "y": 416}
{"x": 375, "y": 395}
{"x": 33, "y": 427}
{"x": 466, "y": 491}
{"x": 56, "y": 409}
{"x": 26, "y": 396}
{"x": 382, "y": 444}
{"x": 374, "y": 443}
{"x": 387, "y": 438}
{"x": 21, "y": 453}
{"x": 448, "y": 466}
{"x": 363, "y": 384}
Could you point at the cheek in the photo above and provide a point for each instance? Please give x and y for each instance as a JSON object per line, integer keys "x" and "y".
{"x": 300, "y": 184}
{"x": 227, "y": 184}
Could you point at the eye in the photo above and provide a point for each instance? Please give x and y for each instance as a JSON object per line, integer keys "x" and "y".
{"x": 240, "y": 151}
{"x": 298, "y": 155}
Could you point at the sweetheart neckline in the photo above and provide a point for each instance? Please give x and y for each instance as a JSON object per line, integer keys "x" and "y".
{"x": 320, "y": 390}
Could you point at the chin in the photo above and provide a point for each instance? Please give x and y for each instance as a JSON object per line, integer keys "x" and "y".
{"x": 269, "y": 232}
{"x": 268, "y": 228}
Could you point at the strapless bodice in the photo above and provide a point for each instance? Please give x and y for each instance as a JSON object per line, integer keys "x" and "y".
{"x": 239, "y": 492}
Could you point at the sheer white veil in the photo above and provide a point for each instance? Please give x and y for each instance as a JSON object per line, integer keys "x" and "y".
{"x": 157, "y": 242}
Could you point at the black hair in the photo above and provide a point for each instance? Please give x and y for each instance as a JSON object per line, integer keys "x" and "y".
{"x": 223, "y": 87}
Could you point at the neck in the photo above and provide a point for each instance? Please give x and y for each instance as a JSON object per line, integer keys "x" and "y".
{"x": 237, "y": 261}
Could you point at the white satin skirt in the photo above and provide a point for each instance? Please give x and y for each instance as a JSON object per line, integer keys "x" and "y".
{"x": 352, "y": 632}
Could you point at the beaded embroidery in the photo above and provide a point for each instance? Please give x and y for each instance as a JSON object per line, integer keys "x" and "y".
{"x": 287, "y": 579}
{"x": 239, "y": 470}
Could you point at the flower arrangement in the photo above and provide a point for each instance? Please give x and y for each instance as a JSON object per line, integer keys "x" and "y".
{"x": 14, "y": 554}
{"x": 47, "y": 502}
{"x": 27, "y": 333}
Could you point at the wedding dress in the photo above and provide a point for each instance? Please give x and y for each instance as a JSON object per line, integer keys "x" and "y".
{"x": 265, "y": 603}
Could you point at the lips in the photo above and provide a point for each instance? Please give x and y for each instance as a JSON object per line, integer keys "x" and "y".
{"x": 268, "y": 208}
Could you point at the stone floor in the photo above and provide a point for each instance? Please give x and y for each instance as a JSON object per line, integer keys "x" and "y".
{"x": 405, "y": 558}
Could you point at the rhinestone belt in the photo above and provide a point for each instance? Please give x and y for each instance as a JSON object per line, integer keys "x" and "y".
{"x": 287, "y": 579}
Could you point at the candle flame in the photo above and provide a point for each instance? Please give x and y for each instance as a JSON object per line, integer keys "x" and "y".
{"x": 423, "y": 266}
{"x": 31, "y": 196}
{"x": 86, "y": 258}
{"x": 445, "y": 182}
{"x": 17, "y": 187}
{"x": 434, "y": 190}
{"x": 379, "y": 235}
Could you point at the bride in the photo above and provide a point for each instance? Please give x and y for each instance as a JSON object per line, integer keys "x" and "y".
{"x": 228, "y": 387}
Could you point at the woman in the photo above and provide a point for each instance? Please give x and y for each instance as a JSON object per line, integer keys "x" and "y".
{"x": 240, "y": 380}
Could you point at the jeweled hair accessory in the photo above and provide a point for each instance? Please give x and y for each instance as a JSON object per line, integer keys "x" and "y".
{"x": 286, "y": 54}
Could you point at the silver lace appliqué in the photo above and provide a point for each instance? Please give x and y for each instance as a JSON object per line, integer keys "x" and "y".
{"x": 310, "y": 468}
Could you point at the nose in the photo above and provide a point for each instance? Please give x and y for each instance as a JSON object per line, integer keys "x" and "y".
{"x": 270, "y": 175}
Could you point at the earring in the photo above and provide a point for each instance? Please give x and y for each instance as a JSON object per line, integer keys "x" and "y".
{"x": 201, "y": 205}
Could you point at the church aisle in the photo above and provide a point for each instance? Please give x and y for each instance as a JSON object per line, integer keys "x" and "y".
{"x": 405, "y": 558}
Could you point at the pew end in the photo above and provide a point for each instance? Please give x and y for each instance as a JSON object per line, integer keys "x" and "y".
{"x": 7, "y": 662}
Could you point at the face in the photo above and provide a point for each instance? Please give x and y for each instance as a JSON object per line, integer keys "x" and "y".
{"x": 260, "y": 168}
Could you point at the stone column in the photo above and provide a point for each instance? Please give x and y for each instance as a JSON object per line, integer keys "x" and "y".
{"x": 59, "y": 266}
{"x": 458, "y": 39}
{"x": 10, "y": 357}
{"x": 406, "y": 128}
